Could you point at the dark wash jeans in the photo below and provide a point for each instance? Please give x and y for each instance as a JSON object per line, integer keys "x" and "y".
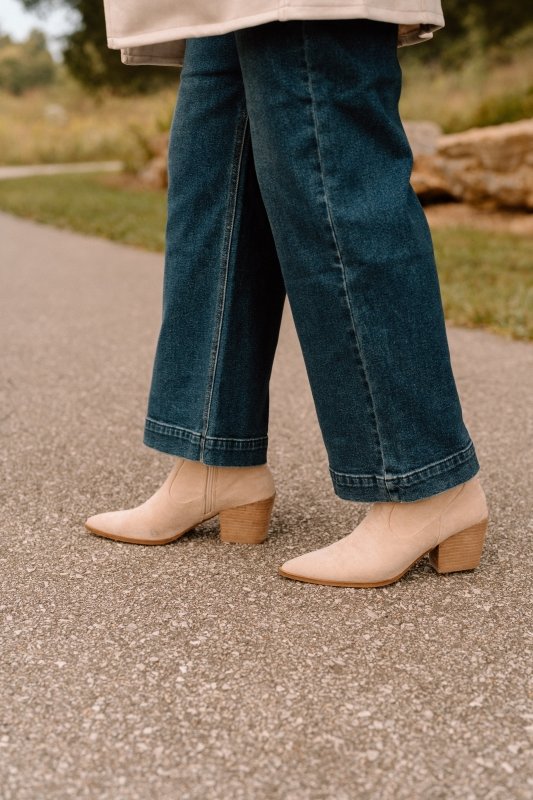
{"x": 289, "y": 171}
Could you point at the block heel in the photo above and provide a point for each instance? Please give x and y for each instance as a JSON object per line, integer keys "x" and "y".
{"x": 461, "y": 551}
{"x": 246, "y": 524}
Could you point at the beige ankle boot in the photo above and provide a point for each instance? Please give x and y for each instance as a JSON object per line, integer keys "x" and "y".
{"x": 193, "y": 492}
{"x": 450, "y": 526}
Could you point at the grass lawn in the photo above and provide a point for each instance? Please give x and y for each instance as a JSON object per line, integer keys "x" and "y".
{"x": 486, "y": 278}
{"x": 90, "y": 203}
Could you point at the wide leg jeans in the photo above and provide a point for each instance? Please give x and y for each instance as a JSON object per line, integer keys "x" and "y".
{"x": 289, "y": 175}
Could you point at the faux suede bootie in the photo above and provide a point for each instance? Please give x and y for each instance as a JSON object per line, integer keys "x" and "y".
{"x": 192, "y": 493}
{"x": 450, "y": 526}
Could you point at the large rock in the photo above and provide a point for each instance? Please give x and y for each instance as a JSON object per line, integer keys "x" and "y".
{"x": 490, "y": 167}
{"x": 426, "y": 180}
{"x": 423, "y": 137}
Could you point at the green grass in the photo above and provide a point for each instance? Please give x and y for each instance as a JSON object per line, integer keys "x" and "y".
{"x": 486, "y": 278}
{"x": 90, "y": 204}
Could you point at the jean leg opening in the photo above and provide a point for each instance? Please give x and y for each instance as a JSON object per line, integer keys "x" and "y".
{"x": 209, "y": 394}
{"x": 334, "y": 166}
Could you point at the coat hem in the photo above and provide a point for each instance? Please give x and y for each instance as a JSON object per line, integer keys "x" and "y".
{"x": 427, "y": 20}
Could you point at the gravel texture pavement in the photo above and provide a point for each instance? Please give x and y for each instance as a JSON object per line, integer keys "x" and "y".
{"x": 192, "y": 671}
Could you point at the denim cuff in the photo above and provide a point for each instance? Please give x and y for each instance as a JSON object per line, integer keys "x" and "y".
{"x": 215, "y": 451}
{"x": 416, "y": 485}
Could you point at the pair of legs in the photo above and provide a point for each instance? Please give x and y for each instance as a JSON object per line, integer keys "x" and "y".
{"x": 289, "y": 173}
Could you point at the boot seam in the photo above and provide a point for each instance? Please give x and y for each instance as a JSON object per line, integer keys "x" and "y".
{"x": 208, "y": 493}
{"x": 214, "y": 481}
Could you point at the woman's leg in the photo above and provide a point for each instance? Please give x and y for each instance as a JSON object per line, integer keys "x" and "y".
{"x": 223, "y": 290}
{"x": 334, "y": 165}
{"x": 222, "y": 302}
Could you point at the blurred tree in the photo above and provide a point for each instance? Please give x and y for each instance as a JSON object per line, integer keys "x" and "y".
{"x": 497, "y": 18}
{"x": 92, "y": 63}
{"x": 24, "y": 65}
{"x": 475, "y": 25}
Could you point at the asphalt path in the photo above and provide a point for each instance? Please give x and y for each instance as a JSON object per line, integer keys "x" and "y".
{"x": 192, "y": 671}
{"x": 27, "y": 170}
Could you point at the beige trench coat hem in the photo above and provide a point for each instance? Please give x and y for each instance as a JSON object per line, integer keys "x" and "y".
{"x": 167, "y": 47}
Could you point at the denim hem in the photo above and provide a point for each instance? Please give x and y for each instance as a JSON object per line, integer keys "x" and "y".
{"x": 216, "y": 451}
{"x": 411, "y": 486}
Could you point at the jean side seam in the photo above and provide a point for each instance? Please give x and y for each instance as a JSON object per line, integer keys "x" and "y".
{"x": 337, "y": 248}
{"x": 223, "y": 281}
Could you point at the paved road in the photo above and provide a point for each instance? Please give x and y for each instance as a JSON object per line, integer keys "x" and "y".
{"x": 192, "y": 671}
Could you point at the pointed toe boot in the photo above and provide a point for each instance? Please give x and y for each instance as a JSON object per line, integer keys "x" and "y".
{"x": 193, "y": 492}
{"x": 449, "y": 526}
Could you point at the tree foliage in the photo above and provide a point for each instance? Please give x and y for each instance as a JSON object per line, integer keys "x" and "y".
{"x": 92, "y": 63}
{"x": 476, "y": 25}
{"x": 24, "y": 65}
{"x": 496, "y": 19}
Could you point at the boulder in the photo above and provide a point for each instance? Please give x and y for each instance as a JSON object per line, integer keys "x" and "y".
{"x": 428, "y": 181}
{"x": 490, "y": 167}
{"x": 423, "y": 137}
